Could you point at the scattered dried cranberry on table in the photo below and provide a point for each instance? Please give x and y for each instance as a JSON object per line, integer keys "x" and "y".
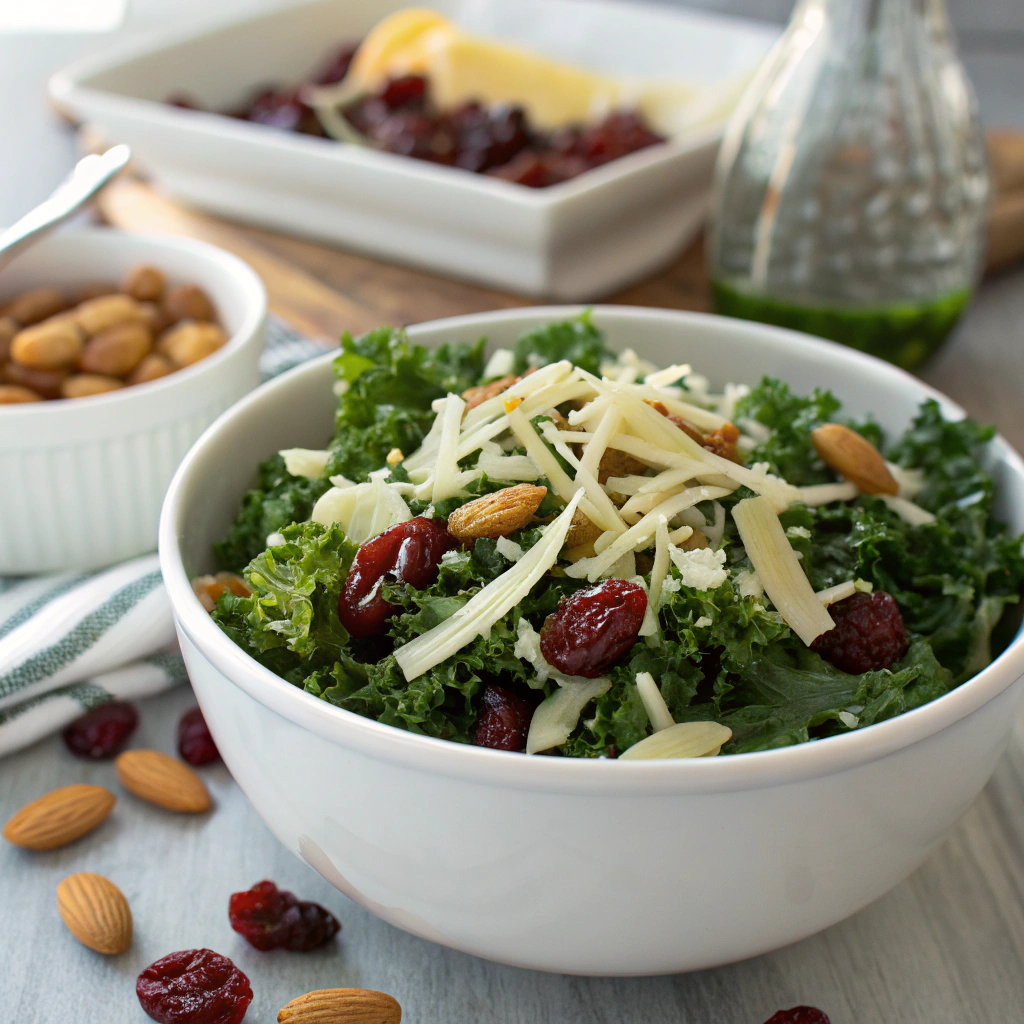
{"x": 408, "y": 552}
{"x": 593, "y": 628}
{"x": 103, "y": 731}
{"x": 504, "y": 719}
{"x": 498, "y": 141}
{"x": 194, "y": 986}
{"x": 799, "y": 1015}
{"x": 272, "y": 918}
{"x": 869, "y": 634}
{"x": 195, "y": 744}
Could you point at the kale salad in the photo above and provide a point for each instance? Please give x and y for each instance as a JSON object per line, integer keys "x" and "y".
{"x": 562, "y": 550}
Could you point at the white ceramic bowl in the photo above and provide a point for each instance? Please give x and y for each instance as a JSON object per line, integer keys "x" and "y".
{"x": 82, "y": 480}
{"x": 573, "y": 241}
{"x": 591, "y": 867}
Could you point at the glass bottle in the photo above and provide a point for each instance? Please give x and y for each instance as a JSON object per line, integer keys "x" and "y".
{"x": 851, "y": 187}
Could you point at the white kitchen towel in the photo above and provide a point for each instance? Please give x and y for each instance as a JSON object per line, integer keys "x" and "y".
{"x": 72, "y": 641}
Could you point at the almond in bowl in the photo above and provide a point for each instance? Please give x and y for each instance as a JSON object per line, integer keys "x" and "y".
{"x": 55, "y": 343}
{"x": 117, "y": 351}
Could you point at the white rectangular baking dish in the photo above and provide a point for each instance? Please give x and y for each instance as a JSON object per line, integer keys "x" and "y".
{"x": 577, "y": 240}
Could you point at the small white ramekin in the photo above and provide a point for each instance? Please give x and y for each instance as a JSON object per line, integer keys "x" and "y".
{"x": 82, "y": 480}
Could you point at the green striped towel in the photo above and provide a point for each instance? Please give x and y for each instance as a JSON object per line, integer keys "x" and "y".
{"x": 71, "y": 641}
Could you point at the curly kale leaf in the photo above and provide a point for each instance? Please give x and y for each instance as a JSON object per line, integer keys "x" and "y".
{"x": 294, "y": 601}
{"x": 577, "y": 340}
{"x": 391, "y": 385}
{"x": 789, "y": 695}
{"x": 279, "y": 499}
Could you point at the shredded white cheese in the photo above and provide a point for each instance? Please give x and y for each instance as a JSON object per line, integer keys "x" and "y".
{"x": 509, "y": 549}
{"x": 779, "y": 569}
{"x": 908, "y": 511}
{"x": 654, "y": 704}
{"x": 307, "y": 462}
{"x": 702, "y": 569}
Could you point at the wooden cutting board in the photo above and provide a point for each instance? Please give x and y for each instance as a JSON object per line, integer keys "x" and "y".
{"x": 323, "y": 291}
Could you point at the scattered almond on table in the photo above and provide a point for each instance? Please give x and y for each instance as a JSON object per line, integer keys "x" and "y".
{"x": 96, "y": 912}
{"x": 341, "y": 1006}
{"x": 162, "y": 780}
{"x": 57, "y": 345}
{"x": 59, "y": 817}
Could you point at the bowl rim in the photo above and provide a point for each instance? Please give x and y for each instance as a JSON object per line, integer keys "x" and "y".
{"x": 245, "y": 279}
{"x": 759, "y": 769}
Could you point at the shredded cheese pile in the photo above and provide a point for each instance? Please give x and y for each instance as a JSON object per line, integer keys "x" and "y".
{"x": 653, "y": 507}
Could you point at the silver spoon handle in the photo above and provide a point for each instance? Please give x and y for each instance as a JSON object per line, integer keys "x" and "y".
{"x": 89, "y": 175}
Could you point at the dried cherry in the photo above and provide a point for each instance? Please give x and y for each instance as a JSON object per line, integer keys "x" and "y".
{"x": 272, "y": 918}
{"x": 799, "y": 1015}
{"x": 869, "y": 633}
{"x": 194, "y": 986}
{"x": 504, "y": 719}
{"x": 593, "y": 628}
{"x": 195, "y": 744}
{"x": 408, "y": 552}
{"x": 103, "y": 731}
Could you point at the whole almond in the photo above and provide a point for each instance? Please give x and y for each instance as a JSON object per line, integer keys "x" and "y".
{"x": 188, "y": 302}
{"x": 96, "y": 912}
{"x": 107, "y": 311}
{"x": 341, "y": 1006}
{"x": 145, "y": 283}
{"x": 84, "y": 385}
{"x": 44, "y": 382}
{"x": 498, "y": 514}
{"x": 8, "y": 329}
{"x": 59, "y": 817}
{"x": 152, "y": 367}
{"x": 15, "y": 394}
{"x": 186, "y": 343}
{"x": 162, "y": 780}
{"x": 49, "y": 345}
{"x": 853, "y": 457}
{"x": 116, "y": 351}
{"x": 39, "y": 304}
{"x": 482, "y": 392}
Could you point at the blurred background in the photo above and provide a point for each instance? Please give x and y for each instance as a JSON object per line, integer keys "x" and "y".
{"x": 38, "y": 37}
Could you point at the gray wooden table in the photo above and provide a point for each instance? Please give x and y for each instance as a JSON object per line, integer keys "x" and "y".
{"x": 945, "y": 946}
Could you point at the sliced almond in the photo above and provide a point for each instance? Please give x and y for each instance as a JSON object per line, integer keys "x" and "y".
{"x": 853, "y": 457}
{"x": 96, "y": 912}
{"x": 162, "y": 780}
{"x": 59, "y": 817}
{"x": 341, "y": 1006}
{"x": 498, "y": 514}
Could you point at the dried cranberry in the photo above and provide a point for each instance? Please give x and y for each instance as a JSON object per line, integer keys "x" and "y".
{"x": 282, "y": 109}
{"x": 272, "y": 918}
{"x": 593, "y": 628}
{"x": 194, "y": 986}
{"x": 408, "y": 91}
{"x": 528, "y": 168}
{"x": 405, "y": 553}
{"x": 869, "y": 633}
{"x": 799, "y": 1015}
{"x": 195, "y": 744}
{"x": 337, "y": 65}
{"x": 103, "y": 731}
{"x": 504, "y": 719}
